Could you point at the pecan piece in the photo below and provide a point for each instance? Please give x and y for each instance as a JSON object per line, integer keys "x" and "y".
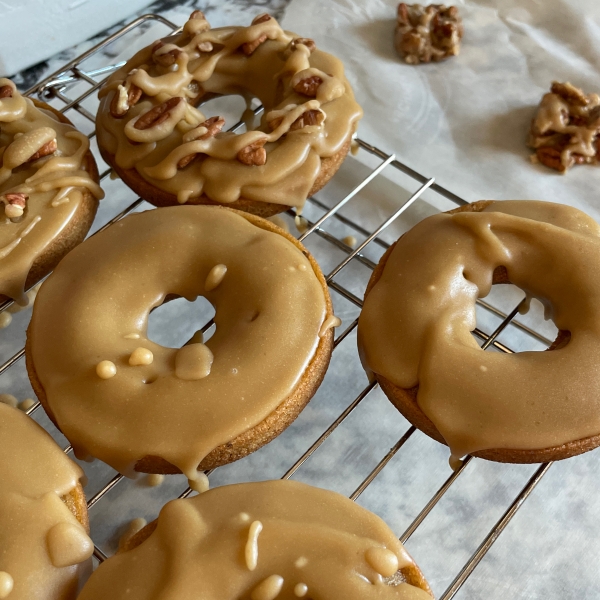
{"x": 6, "y": 92}
{"x": 308, "y": 86}
{"x": 569, "y": 93}
{"x": 117, "y": 109}
{"x": 249, "y": 47}
{"x": 253, "y": 155}
{"x": 403, "y": 17}
{"x": 551, "y": 157}
{"x": 310, "y": 44}
{"x": 197, "y": 14}
{"x": 157, "y": 115}
{"x": 263, "y": 18}
{"x": 47, "y": 149}
{"x": 167, "y": 59}
{"x": 15, "y": 204}
{"x": 213, "y": 126}
{"x": 205, "y": 47}
{"x": 310, "y": 117}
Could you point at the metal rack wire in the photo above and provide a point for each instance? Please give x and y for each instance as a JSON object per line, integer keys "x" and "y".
{"x": 58, "y": 87}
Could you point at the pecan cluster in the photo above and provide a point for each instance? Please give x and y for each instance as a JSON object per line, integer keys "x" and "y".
{"x": 566, "y": 128}
{"x": 425, "y": 34}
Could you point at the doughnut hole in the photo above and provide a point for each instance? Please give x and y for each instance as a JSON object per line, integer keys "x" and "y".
{"x": 176, "y": 321}
{"x": 505, "y": 296}
{"x": 233, "y": 108}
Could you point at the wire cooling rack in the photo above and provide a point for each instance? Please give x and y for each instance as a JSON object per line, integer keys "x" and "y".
{"x": 64, "y": 90}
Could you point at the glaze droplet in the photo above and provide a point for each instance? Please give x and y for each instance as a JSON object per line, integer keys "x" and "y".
{"x": 6, "y": 584}
{"x": 193, "y": 362}
{"x": 106, "y": 369}
{"x": 68, "y": 545}
{"x": 141, "y": 356}
{"x": 383, "y": 561}
{"x": 268, "y": 589}
{"x": 215, "y": 277}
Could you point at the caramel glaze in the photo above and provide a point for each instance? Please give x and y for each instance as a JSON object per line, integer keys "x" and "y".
{"x": 44, "y": 548}
{"x": 55, "y": 184}
{"x": 415, "y": 328}
{"x": 175, "y": 403}
{"x": 262, "y": 541}
{"x": 293, "y": 154}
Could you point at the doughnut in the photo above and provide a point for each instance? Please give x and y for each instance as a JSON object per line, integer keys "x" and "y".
{"x": 152, "y": 134}
{"x": 262, "y": 541}
{"x": 140, "y": 406}
{"x": 566, "y": 128}
{"x": 49, "y": 190}
{"x": 414, "y": 332}
{"x": 45, "y": 548}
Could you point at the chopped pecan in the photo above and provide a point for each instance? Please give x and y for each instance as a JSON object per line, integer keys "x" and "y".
{"x": 308, "y": 86}
{"x": 213, "y": 126}
{"x": 205, "y": 47}
{"x": 310, "y": 117}
{"x": 134, "y": 93}
{"x": 47, "y": 149}
{"x": 263, "y": 18}
{"x": 6, "y": 92}
{"x": 254, "y": 154}
{"x": 197, "y": 14}
{"x": 157, "y": 115}
{"x": 403, "y": 17}
{"x": 551, "y": 157}
{"x": 249, "y": 47}
{"x": 15, "y": 204}
{"x": 310, "y": 44}
{"x": 569, "y": 93}
{"x": 165, "y": 59}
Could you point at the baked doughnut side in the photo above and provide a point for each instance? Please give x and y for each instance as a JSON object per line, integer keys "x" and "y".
{"x": 278, "y": 420}
{"x": 157, "y": 197}
{"x": 77, "y": 227}
{"x": 405, "y": 400}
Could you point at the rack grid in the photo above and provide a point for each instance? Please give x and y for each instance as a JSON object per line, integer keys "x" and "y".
{"x": 58, "y": 86}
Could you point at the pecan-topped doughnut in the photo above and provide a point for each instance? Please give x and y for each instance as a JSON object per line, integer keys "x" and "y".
{"x": 273, "y": 540}
{"x": 48, "y": 190}
{"x": 167, "y": 151}
{"x": 44, "y": 545}
{"x": 415, "y": 330}
{"x": 135, "y": 404}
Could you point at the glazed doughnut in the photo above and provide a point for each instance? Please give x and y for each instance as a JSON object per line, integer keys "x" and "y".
{"x": 168, "y": 152}
{"x": 49, "y": 190}
{"x": 414, "y": 332}
{"x": 274, "y": 539}
{"x": 43, "y": 514}
{"x": 137, "y": 405}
